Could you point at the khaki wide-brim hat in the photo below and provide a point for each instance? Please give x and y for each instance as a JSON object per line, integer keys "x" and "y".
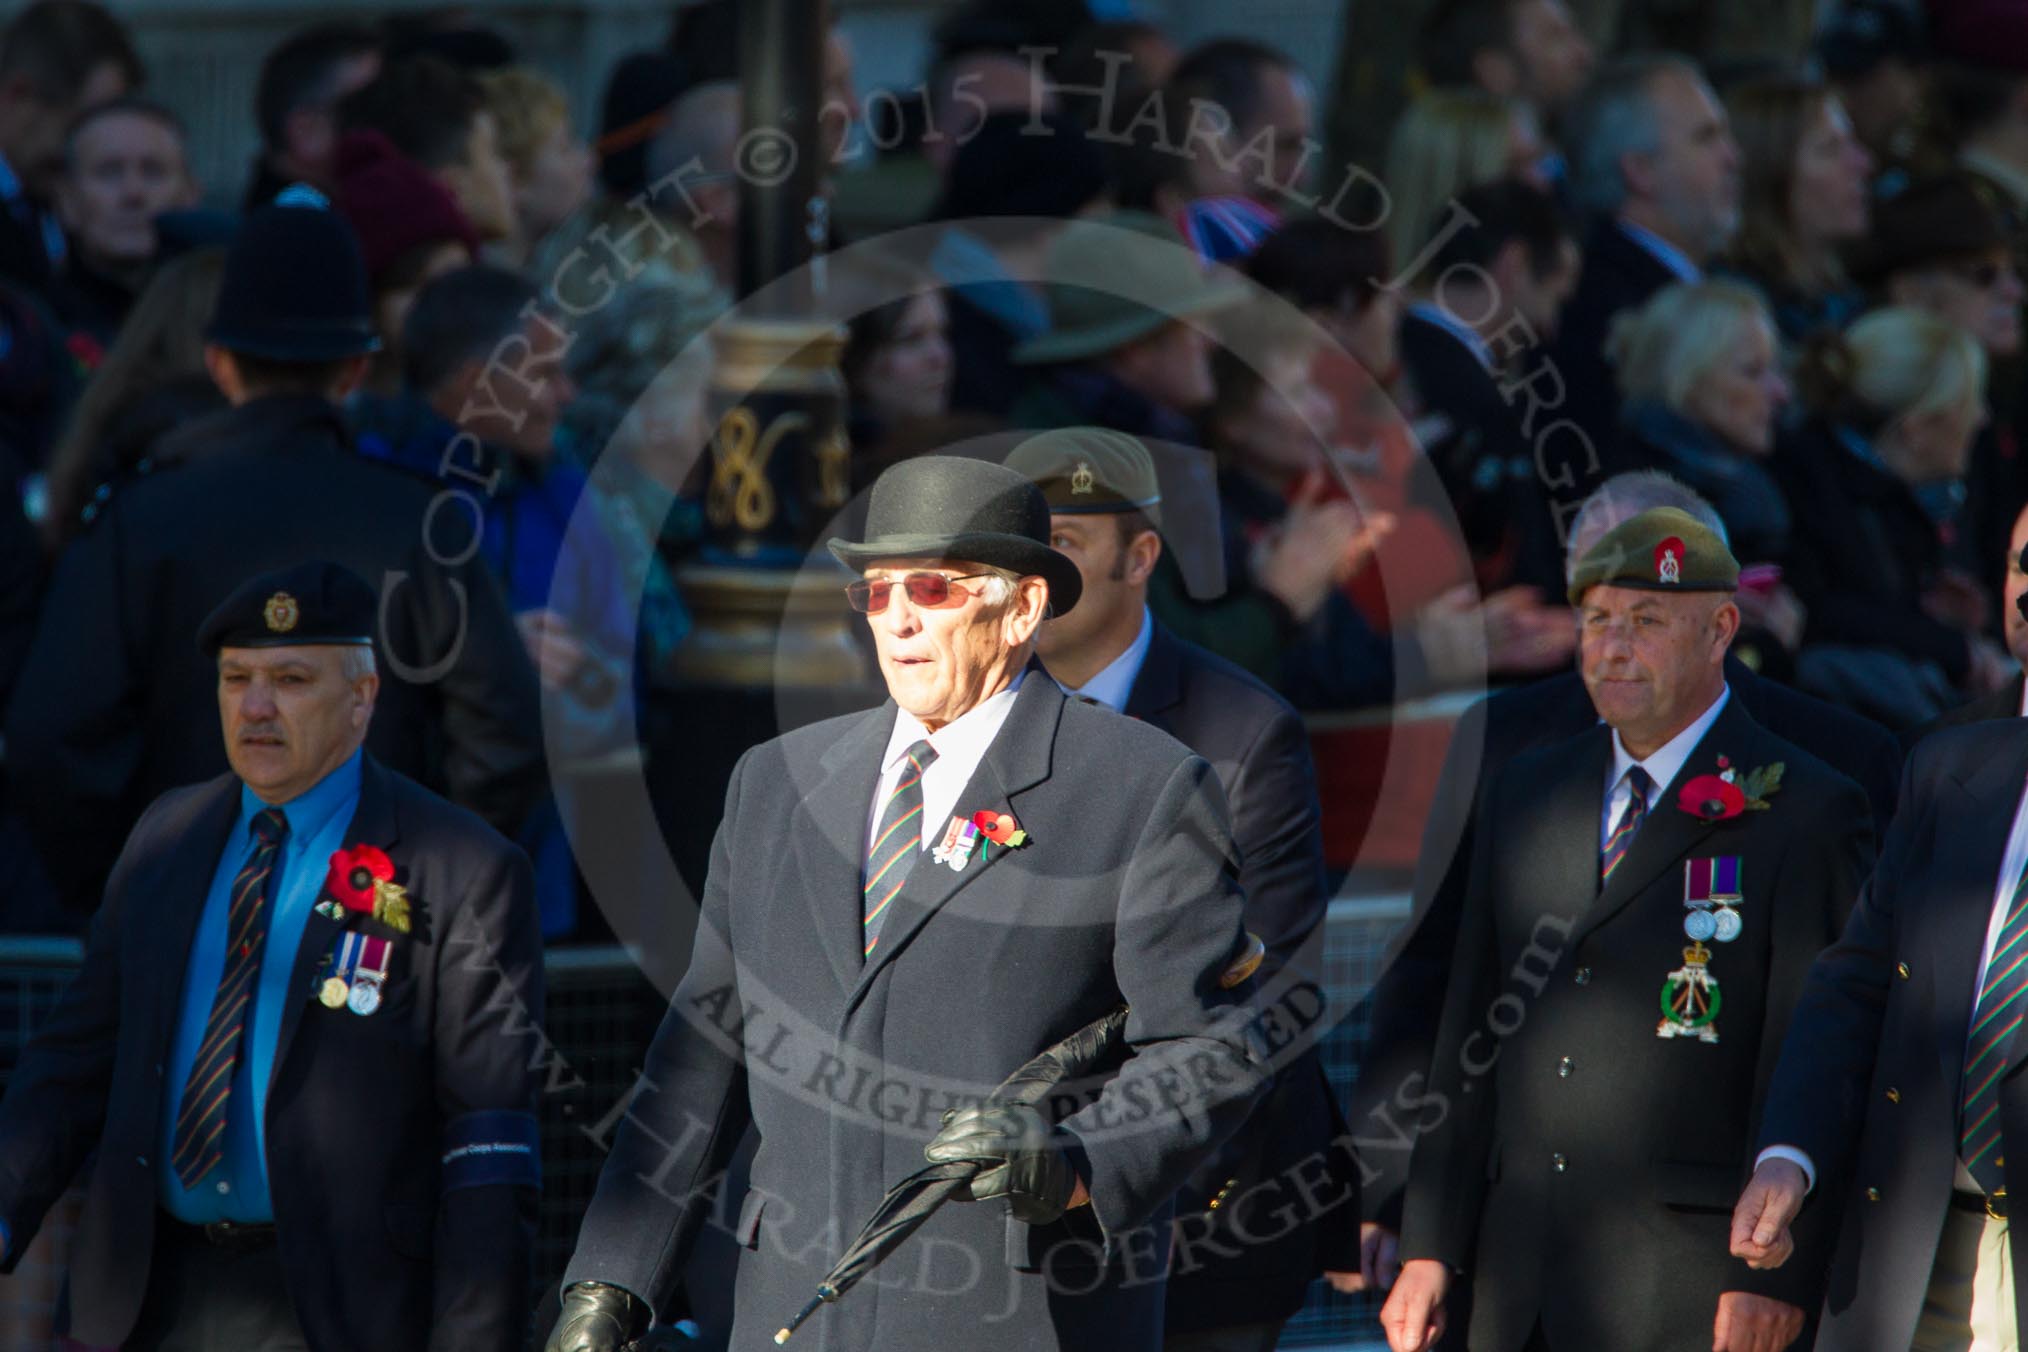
{"x": 1146, "y": 257}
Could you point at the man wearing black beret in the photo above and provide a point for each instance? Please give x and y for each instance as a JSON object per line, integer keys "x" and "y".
{"x": 300, "y": 1040}
{"x": 113, "y": 706}
{"x": 922, "y": 897}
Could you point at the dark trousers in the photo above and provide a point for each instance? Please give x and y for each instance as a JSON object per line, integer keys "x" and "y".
{"x": 1237, "y": 1338}
{"x": 204, "y": 1298}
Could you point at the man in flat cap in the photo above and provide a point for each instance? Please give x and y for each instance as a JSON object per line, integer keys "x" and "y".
{"x": 903, "y": 907}
{"x": 1643, "y": 904}
{"x": 300, "y": 1042}
{"x": 1244, "y": 1266}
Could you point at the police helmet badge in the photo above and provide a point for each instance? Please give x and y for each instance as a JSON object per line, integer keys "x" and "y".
{"x": 281, "y": 613}
{"x": 1669, "y": 561}
{"x": 1081, "y": 478}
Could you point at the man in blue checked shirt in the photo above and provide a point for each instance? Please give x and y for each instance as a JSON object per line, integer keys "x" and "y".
{"x": 301, "y": 1039}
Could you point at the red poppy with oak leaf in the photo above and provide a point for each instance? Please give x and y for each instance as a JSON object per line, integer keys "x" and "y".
{"x": 1000, "y": 828}
{"x": 353, "y": 873}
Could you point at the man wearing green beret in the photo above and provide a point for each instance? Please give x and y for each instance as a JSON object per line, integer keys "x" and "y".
{"x": 1645, "y": 900}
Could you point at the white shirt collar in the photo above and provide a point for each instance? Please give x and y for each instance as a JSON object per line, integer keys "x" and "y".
{"x": 1113, "y": 686}
{"x": 1665, "y": 253}
{"x": 964, "y": 739}
{"x": 1431, "y": 313}
{"x": 1666, "y": 762}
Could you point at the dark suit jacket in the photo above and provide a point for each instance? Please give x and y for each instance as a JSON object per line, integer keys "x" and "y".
{"x": 1126, "y": 891}
{"x": 1580, "y": 1166}
{"x": 1618, "y": 276}
{"x": 1483, "y": 461}
{"x": 116, "y": 705}
{"x": 1408, "y": 999}
{"x": 381, "y": 1246}
{"x": 2001, "y": 704}
{"x": 1254, "y": 1255}
{"x": 1869, "y": 1080}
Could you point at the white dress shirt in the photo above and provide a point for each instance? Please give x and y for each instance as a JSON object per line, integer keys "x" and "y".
{"x": 1115, "y": 684}
{"x": 2011, "y": 866}
{"x": 960, "y": 746}
{"x": 1662, "y": 766}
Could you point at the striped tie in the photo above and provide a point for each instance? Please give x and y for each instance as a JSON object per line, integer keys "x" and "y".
{"x": 1994, "y": 1019}
{"x": 200, "y": 1122}
{"x": 897, "y": 840}
{"x": 1622, "y": 838}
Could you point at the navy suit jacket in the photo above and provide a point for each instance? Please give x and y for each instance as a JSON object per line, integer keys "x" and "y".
{"x": 385, "y": 1245}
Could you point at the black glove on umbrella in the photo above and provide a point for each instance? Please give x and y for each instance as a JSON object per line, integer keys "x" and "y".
{"x": 597, "y": 1318}
{"x": 1022, "y": 1156}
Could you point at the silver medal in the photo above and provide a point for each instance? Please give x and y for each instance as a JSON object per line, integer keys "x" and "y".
{"x": 1700, "y": 926}
{"x": 1727, "y": 925}
{"x": 365, "y": 997}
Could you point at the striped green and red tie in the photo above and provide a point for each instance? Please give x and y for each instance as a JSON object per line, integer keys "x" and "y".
{"x": 897, "y": 840}
{"x": 1622, "y": 838}
{"x": 2003, "y": 999}
{"x": 200, "y": 1121}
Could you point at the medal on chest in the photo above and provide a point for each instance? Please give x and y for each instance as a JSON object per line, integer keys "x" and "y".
{"x": 355, "y": 973}
{"x": 959, "y": 840}
{"x": 1690, "y": 998}
{"x": 1711, "y": 899}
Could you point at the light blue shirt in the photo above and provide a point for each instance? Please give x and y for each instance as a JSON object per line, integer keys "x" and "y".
{"x": 1115, "y": 685}
{"x": 1432, "y": 313}
{"x": 237, "y": 1188}
{"x": 1665, "y": 253}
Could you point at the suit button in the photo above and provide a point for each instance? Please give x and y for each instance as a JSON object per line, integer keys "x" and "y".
{"x": 1559, "y": 1163}
{"x": 1582, "y": 976}
{"x": 1565, "y": 1066}
{"x": 1893, "y": 1095}
{"x": 1873, "y": 1194}
{"x": 1901, "y": 968}
{"x": 141, "y": 1160}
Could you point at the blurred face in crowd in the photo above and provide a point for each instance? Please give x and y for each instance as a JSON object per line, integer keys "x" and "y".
{"x": 1258, "y": 158}
{"x": 1739, "y": 397}
{"x": 558, "y": 182}
{"x": 942, "y": 661}
{"x": 125, "y": 169}
{"x": 1115, "y": 568}
{"x": 291, "y": 715}
{"x": 910, "y": 375}
{"x": 1552, "y": 52}
{"x": 1981, "y": 294}
{"x": 1883, "y": 104}
{"x": 1935, "y": 444}
{"x": 35, "y": 122}
{"x": 1653, "y": 660}
{"x": 310, "y": 132}
{"x": 1827, "y": 194}
{"x": 483, "y": 184}
{"x": 2014, "y": 586}
{"x": 1691, "y": 182}
{"x": 1171, "y": 367}
{"x": 515, "y": 401}
{"x": 1281, "y": 431}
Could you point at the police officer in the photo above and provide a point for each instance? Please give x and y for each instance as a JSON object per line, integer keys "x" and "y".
{"x": 301, "y": 1037}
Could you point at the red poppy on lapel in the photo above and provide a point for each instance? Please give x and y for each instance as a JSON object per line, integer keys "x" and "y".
{"x": 361, "y": 880}
{"x": 1000, "y": 828}
{"x": 1711, "y": 799}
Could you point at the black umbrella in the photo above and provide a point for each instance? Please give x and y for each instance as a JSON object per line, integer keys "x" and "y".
{"x": 909, "y": 1203}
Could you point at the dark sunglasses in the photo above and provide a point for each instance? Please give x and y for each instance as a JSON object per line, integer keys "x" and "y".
{"x": 869, "y": 595}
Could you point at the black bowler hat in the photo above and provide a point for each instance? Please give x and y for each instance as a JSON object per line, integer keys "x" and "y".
{"x": 945, "y": 507}
{"x": 312, "y": 604}
{"x": 294, "y": 287}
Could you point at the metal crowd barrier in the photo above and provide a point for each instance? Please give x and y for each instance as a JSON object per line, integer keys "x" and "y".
{"x": 601, "y": 1014}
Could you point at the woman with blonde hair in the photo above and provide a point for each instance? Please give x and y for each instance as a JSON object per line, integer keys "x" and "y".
{"x": 1449, "y": 140}
{"x": 549, "y": 165}
{"x": 1875, "y": 476}
{"x": 1804, "y": 198}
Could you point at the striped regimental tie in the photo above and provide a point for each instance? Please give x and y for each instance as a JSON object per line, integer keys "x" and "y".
{"x": 1629, "y": 824}
{"x": 200, "y": 1121}
{"x": 897, "y": 840}
{"x": 2003, "y": 999}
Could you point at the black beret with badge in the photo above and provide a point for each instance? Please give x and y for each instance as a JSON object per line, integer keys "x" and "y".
{"x": 1090, "y": 469}
{"x": 1661, "y": 549}
{"x": 310, "y": 604}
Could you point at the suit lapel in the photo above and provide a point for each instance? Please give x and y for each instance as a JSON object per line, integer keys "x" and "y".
{"x": 373, "y": 823}
{"x": 1018, "y": 759}
{"x": 186, "y": 877}
{"x": 1669, "y": 832}
{"x": 828, "y": 834}
{"x": 1975, "y": 818}
{"x": 1570, "y": 805}
{"x": 1159, "y": 686}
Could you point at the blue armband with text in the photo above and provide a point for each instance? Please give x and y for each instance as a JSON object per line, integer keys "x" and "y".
{"x": 494, "y": 1145}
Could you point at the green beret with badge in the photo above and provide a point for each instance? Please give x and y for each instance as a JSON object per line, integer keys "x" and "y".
{"x": 1090, "y": 469}
{"x": 1661, "y": 549}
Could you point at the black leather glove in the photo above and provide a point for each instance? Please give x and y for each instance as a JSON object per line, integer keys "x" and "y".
{"x": 1024, "y": 1157}
{"x": 597, "y": 1318}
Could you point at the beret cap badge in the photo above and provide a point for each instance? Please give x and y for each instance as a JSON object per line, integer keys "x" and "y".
{"x": 1669, "y": 560}
{"x": 1081, "y": 478}
{"x": 281, "y": 613}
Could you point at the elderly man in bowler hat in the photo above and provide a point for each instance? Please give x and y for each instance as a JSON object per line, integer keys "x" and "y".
{"x": 918, "y": 899}
{"x": 113, "y": 706}
{"x": 301, "y": 1042}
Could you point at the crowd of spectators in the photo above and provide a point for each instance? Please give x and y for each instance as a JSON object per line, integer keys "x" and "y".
{"x": 1376, "y": 393}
